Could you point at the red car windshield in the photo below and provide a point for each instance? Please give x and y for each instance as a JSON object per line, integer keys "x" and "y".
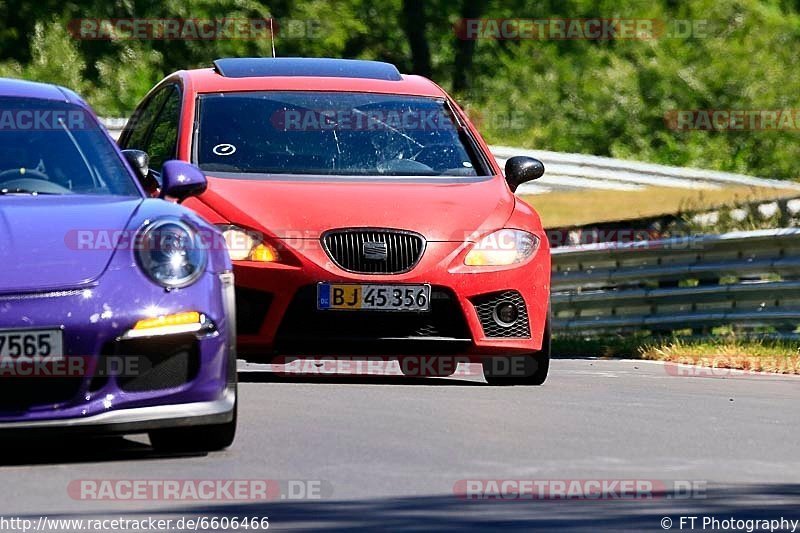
{"x": 332, "y": 133}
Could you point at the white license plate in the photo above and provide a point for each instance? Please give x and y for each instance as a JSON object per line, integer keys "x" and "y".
{"x": 350, "y": 296}
{"x": 31, "y": 344}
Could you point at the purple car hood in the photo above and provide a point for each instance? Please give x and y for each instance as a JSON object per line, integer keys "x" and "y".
{"x": 58, "y": 242}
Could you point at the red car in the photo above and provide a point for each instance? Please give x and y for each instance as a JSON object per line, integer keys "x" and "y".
{"x": 363, "y": 212}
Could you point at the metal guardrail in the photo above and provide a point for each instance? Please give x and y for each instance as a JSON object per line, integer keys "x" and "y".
{"x": 567, "y": 172}
{"x": 743, "y": 279}
{"x": 783, "y": 212}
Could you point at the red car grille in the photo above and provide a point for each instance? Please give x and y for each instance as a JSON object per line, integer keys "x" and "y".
{"x": 307, "y": 330}
{"x": 374, "y": 251}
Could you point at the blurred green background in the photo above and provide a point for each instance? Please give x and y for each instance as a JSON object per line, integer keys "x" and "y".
{"x": 604, "y": 97}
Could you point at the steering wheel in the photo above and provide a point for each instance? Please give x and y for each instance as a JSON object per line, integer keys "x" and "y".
{"x": 23, "y": 173}
{"x": 31, "y": 180}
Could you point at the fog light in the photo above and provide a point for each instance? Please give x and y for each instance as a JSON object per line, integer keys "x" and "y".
{"x": 505, "y": 314}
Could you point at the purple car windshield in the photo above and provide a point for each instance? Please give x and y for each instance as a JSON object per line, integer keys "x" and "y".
{"x": 52, "y": 147}
{"x": 332, "y": 133}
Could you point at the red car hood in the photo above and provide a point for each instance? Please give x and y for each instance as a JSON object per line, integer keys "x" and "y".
{"x": 439, "y": 211}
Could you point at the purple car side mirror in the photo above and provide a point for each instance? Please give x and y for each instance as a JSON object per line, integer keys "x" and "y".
{"x": 181, "y": 180}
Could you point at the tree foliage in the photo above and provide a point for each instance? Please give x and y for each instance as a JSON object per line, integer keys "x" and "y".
{"x": 606, "y": 97}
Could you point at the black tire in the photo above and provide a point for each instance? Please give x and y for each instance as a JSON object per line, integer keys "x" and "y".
{"x": 208, "y": 438}
{"x": 525, "y": 369}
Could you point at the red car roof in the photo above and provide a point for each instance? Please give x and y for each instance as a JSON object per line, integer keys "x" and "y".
{"x": 208, "y": 80}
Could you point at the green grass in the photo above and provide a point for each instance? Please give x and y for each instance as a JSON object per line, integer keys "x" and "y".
{"x": 572, "y": 208}
{"x": 762, "y": 355}
{"x": 755, "y": 354}
{"x": 622, "y": 347}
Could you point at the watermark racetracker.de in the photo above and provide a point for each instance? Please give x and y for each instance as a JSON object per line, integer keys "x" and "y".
{"x": 198, "y": 490}
{"x": 733, "y": 119}
{"x": 591, "y": 29}
{"x": 29, "y": 119}
{"x": 193, "y": 29}
{"x": 33, "y": 363}
{"x": 393, "y": 366}
{"x": 578, "y": 489}
{"x": 731, "y": 366}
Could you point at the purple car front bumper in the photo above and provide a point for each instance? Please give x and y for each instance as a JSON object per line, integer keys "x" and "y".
{"x": 177, "y": 380}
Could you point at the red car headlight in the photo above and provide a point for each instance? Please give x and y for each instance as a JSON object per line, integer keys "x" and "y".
{"x": 246, "y": 245}
{"x": 503, "y": 247}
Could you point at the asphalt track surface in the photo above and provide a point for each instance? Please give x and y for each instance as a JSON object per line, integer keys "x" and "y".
{"x": 386, "y": 452}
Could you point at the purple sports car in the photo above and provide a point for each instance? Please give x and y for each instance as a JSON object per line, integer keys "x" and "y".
{"x": 116, "y": 309}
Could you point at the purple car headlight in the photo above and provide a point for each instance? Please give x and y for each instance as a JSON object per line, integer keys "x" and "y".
{"x": 171, "y": 253}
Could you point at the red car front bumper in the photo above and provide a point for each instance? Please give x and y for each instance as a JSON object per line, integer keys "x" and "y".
{"x": 277, "y": 309}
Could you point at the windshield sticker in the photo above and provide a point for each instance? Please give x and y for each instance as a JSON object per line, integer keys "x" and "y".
{"x": 224, "y": 149}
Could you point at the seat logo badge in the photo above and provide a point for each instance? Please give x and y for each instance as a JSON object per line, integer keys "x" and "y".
{"x": 375, "y": 250}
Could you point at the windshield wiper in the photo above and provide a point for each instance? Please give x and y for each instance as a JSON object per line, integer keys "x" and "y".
{"x": 20, "y": 190}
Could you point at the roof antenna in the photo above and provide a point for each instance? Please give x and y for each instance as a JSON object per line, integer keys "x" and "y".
{"x": 272, "y": 35}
